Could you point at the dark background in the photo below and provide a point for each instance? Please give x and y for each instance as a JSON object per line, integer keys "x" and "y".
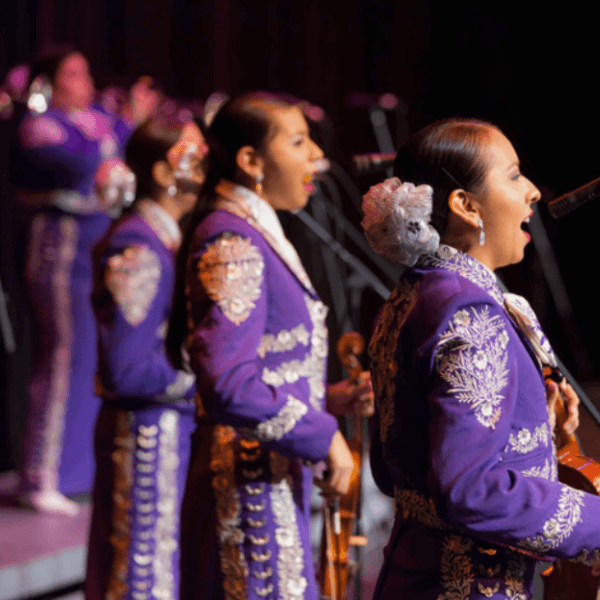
{"x": 533, "y": 73}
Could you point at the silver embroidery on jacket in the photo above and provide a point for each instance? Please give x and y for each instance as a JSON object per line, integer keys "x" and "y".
{"x": 525, "y": 441}
{"x": 282, "y": 423}
{"x": 230, "y": 536}
{"x": 283, "y": 341}
{"x": 383, "y": 348}
{"x": 168, "y": 513}
{"x": 544, "y": 472}
{"x": 231, "y": 272}
{"x": 178, "y": 387}
{"x": 290, "y": 559}
{"x": 561, "y": 525}
{"x": 471, "y": 357}
{"x": 515, "y": 577}
{"x": 587, "y": 557}
{"x": 132, "y": 278}
{"x": 314, "y": 364}
{"x": 415, "y": 506}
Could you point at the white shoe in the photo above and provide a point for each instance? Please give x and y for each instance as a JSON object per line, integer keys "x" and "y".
{"x": 49, "y": 501}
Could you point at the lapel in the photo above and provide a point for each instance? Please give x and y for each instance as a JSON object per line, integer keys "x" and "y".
{"x": 232, "y": 199}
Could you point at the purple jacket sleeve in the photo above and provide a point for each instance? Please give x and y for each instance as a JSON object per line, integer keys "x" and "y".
{"x": 488, "y": 424}
{"x": 255, "y": 347}
{"x": 138, "y": 283}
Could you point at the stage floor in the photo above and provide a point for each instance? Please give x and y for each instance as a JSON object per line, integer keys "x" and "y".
{"x": 38, "y": 553}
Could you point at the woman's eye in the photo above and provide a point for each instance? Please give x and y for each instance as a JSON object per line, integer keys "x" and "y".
{"x": 515, "y": 176}
{"x": 298, "y": 141}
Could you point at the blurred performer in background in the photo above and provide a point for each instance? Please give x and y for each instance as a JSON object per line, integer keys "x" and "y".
{"x": 255, "y": 332}
{"x": 63, "y": 140}
{"x": 143, "y": 434}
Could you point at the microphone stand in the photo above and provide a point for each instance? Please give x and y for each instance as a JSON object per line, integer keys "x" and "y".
{"x": 6, "y": 329}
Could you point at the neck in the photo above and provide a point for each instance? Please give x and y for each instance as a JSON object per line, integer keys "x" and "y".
{"x": 169, "y": 204}
{"x": 472, "y": 248}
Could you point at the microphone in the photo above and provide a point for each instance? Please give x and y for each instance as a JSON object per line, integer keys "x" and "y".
{"x": 374, "y": 162}
{"x": 563, "y": 205}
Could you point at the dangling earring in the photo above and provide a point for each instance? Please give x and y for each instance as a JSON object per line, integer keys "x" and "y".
{"x": 481, "y": 233}
{"x": 258, "y": 185}
{"x": 172, "y": 190}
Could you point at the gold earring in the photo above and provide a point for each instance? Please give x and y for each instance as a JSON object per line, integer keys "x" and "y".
{"x": 258, "y": 185}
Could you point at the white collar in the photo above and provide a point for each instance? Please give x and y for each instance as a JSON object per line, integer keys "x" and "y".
{"x": 265, "y": 219}
{"x": 262, "y": 212}
{"x": 161, "y": 222}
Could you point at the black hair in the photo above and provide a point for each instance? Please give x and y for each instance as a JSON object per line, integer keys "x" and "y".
{"x": 245, "y": 120}
{"x": 447, "y": 155}
{"x": 48, "y": 60}
{"x": 148, "y": 144}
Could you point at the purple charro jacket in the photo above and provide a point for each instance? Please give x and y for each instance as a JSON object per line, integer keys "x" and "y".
{"x": 258, "y": 345}
{"x": 463, "y": 442}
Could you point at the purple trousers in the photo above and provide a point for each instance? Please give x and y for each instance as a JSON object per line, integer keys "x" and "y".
{"x": 62, "y": 405}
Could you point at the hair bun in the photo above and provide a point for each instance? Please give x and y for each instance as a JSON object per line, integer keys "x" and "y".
{"x": 397, "y": 220}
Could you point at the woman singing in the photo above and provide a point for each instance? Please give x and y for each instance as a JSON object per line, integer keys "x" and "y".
{"x": 464, "y": 438}
{"x": 62, "y": 141}
{"x": 143, "y": 433}
{"x": 255, "y": 333}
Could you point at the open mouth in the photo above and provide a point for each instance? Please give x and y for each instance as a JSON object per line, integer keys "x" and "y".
{"x": 308, "y": 184}
{"x": 525, "y": 226}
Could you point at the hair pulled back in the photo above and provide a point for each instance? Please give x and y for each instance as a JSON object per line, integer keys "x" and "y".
{"x": 148, "y": 144}
{"x": 245, "y": 120}
{"x": 447, "y": 155}
{"x": 47, "y": 62}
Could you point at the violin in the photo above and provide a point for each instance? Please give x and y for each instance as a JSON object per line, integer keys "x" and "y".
{"x": 565, "y": 580}
{"x": 336, "y": 566}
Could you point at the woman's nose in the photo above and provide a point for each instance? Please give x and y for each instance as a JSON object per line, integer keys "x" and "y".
{"x": 533, "y": 194}
{"x": 316, "y": 153}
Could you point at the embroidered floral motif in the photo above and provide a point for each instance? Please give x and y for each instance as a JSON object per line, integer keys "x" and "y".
{"x": 488, "y": 592}
{"x": 525, "y": 441}
{"x": 120, "y": 539}
{"x": 466, "y": 266}
{"x": 319, "y": 340}
{"x": 456, "y": 568}
{"x": 415, "y": 506}
{"x": 244, "y": 203}
{"x": 471, "y": 357}
{"x": 314, "y": 364}
{"x": 275, "y": 428}
{"x": 178, "y": 387}
{"x": 561, "y": 525}
{"x": 587, "y": 558}
{"x": 382, "y": 351}
{"x": 167, "y": 507}
{"x": 229, "y": 533}
{"x": 544, "y": 472}
{"x": 515, "y": 577}
{"x": 132, "y": 278}
{"x": 290, "y": 559}
{"x": 231, "y": 272}
{"x": 283, "y": 341}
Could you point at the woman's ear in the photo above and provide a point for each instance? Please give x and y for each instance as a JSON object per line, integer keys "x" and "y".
{"x": 162, "y": 174}
{"x": 462, "y": 205}
{"x": 249, "y": 162}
